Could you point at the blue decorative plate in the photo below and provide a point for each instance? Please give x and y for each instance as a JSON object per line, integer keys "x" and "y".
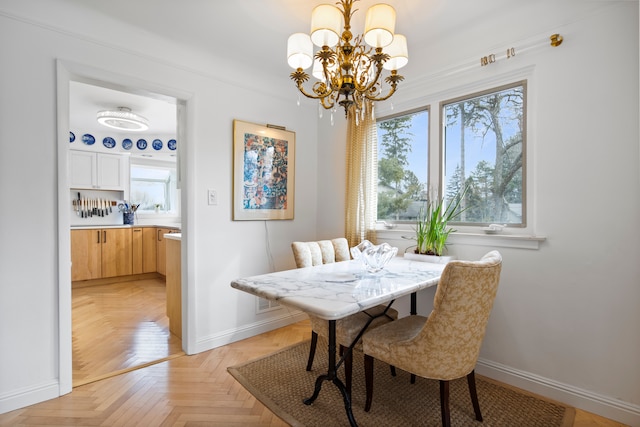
{"x": 88, "y": 139}
{"x": 171, "y": 145}
{"x": 109, "y": 142}
{"x": 156, "y": 144}
{"x": 72, "y": 137}
{"x": 141, "y": 144}
{"x": 127, "y": 144}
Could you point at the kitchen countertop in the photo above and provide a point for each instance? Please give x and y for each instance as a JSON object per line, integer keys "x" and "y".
{"x": 89, "y": 227}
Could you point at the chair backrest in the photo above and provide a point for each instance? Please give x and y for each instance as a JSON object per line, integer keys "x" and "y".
{"x": 451, "y": 338}
{"x": 308, "y": 254}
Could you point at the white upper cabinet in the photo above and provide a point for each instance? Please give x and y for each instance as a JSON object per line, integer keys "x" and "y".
{"x": 98, "y": 171}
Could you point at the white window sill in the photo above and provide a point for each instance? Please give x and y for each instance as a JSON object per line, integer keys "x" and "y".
{"x": 501, "y": 240}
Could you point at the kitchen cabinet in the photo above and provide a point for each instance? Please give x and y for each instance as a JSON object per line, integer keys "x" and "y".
{"x": 137, "y": 254}
{"x": 161, "y": 248}
{"x": 102, "y": 171}
{"x": 86, "y": 255}
{"x": 149, "y": 250}
{"x": 101, "y": 253}
{"x": 174, "y": 287}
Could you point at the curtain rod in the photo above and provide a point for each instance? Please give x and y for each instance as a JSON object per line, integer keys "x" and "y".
{"x": 555, "y": 41}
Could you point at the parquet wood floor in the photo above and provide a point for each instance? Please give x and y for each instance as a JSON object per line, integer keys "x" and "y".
{"x": 184, "y": 391}
{"x": 118, "y": 327}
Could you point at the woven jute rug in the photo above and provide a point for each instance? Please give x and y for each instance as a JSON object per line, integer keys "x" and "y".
{"x": 281, "y": 382}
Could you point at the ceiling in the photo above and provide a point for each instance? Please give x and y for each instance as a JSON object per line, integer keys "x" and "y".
{"x": 252, "y": 34}
{"x": 86, "y": 100}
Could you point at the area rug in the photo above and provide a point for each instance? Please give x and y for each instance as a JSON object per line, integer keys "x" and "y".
{"x": 281, "y": 382}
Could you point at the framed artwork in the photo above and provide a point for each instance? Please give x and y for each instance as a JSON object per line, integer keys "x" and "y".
{"x": 263, "y": 172}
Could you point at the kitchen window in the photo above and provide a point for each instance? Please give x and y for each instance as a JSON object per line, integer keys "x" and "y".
{"x": 153, "y": 187}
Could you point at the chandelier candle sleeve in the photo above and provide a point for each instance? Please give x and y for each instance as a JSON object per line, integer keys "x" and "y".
{"x": 348, "y": 70}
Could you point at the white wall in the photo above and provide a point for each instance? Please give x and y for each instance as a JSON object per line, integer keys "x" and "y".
{"x": 565, "y": 321}
{"x": 218, "y": 249}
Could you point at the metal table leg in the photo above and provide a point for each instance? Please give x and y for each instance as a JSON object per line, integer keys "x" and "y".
{"x": 332, "y": 376}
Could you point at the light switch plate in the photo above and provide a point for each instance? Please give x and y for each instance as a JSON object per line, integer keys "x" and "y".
{"x": 212, "y": 197}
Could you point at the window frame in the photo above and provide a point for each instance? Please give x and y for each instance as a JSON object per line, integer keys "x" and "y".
{"x": 425, "y": 108}
{"x": 460, "y": 86}
{"x": 441, "y": 148}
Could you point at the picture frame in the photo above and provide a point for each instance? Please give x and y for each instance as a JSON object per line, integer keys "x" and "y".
{"x": 263, "y": 172}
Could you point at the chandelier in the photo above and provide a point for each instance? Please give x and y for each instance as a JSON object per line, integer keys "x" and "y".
{"x": 122, "y": 119}
{"x": 348, "y": 71}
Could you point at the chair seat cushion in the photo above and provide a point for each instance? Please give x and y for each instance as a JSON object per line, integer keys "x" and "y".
{"x": 381, "y": 342}
{"x": 348, "y": 328}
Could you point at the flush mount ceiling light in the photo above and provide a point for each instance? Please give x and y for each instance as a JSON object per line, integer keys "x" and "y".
{"x": 123, "y": 119}
{"x": 348, "y": 69}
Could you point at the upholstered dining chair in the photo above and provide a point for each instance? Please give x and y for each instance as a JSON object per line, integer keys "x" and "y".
{"x": 308, "y": 254}
{"x": 445, "y": 345}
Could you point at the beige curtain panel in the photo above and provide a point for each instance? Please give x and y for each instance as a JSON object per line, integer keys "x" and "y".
{"x": 362, "y": 177}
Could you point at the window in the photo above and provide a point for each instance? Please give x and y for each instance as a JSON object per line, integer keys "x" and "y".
{"x": 483, "y": 144}
{"x": 403, "y": 142}
{"x": 154, "y": 188}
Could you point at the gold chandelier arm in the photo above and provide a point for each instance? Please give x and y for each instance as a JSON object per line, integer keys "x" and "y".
{"x": 320, "y": 89}
{"x": 393, "y": 80}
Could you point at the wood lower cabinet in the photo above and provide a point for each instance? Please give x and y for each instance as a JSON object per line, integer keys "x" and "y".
{"x": 116, "y": 252}
{"x": 174, "y": 287}
{"x": 149, "y": 250}
{"x": 161, "y": 248}
{"x": 137, "y": 250}
{"x": 100, "y": 253}
{"x": 86, "y": 255}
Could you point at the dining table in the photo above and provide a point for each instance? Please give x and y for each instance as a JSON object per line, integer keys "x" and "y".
{"x": 336, "y": 290}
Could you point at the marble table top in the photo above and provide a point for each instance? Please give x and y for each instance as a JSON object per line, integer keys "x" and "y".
{"x": 333, "y": 291}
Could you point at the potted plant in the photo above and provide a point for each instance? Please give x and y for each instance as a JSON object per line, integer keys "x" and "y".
{"x": 432, "y": 229}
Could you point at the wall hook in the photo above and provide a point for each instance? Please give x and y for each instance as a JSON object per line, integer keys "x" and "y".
{"x": 556, "y": 40}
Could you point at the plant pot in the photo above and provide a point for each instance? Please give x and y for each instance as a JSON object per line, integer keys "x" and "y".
{"x": 434, "y": 259}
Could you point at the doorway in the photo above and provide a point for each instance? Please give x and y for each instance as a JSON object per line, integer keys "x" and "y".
{"x": 68, "y": 73}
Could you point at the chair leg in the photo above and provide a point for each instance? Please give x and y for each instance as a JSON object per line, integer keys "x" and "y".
{"x": 312, "y": 349}
{"x": 348, "y": 367}
{"x": 471, "y": 380}
{"x": 393, "y": 370}
{"x": 444, "y": 403}
{"x": 413, "y": 378}
{"x": 368, "y": 380}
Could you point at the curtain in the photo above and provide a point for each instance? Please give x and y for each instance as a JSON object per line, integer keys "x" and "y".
{"x": 362, "y": 177}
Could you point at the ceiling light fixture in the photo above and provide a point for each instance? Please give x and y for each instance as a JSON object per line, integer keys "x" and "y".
{"x": 348, "y": 71}
{"x": 123, "y": 119}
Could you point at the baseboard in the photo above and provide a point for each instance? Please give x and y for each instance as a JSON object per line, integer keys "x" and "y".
{"x": 605, "y": 406}
{"x": 20, "y": 398}
{"x": 236, "y": 334}
{"x": 116, "y": 279}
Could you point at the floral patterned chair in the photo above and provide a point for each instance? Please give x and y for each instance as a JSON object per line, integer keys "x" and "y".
{"x": 445, "y": 345}
{"x": 308, "y": 254}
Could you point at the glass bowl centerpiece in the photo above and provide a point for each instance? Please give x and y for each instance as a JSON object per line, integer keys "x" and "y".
{"x": 373, "y": 257}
